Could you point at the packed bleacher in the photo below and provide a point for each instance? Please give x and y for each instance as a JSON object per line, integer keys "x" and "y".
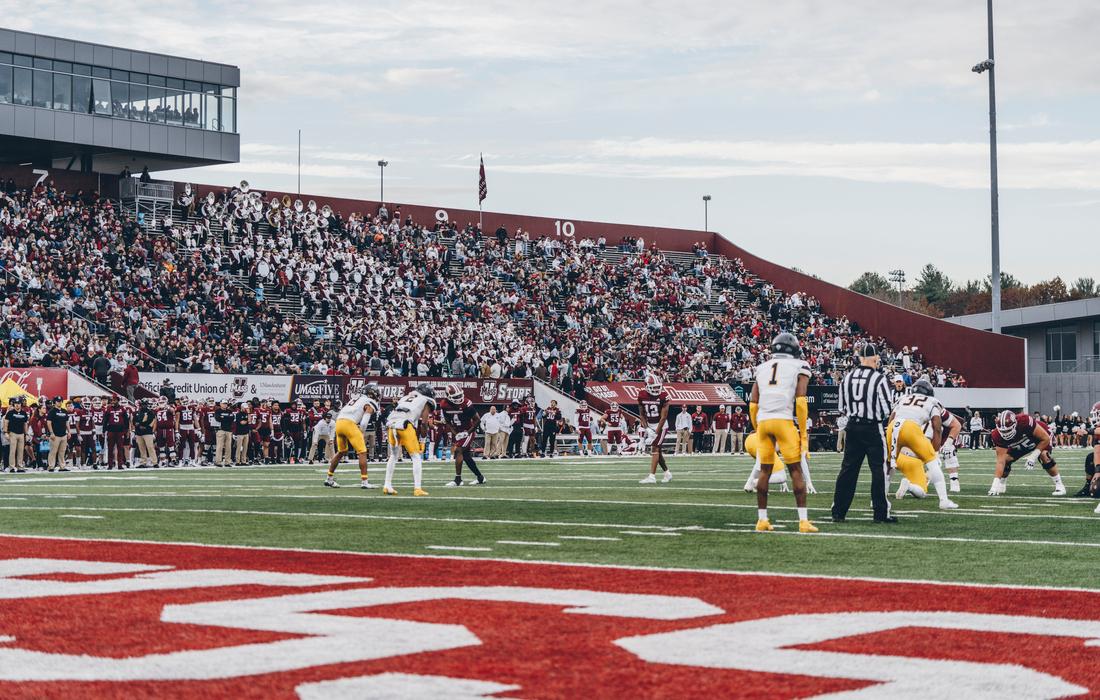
{"x": 246, "y": 285}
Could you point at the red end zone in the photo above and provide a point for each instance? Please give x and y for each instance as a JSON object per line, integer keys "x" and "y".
{"x": 105, "y": 619}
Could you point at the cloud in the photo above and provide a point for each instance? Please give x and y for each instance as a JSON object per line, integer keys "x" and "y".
{"x": 1038, "y": 165}
{"x": 415, "y": 77}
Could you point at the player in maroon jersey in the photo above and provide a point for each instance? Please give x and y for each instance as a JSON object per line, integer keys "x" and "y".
{"x": 166, "y": 432}
{"x": 187, "y": 430}
{"x": 294, "y": 423}
{"x": 83, "y": 436}
{"x": 208, "y": 428}
{"x": 276, "y": 453}
{"x": 1092, "y": 473}
{"x": 528, "y": 416}
{"x": 99, "y": 451}
{"x": 551, "y": 426}
{"x": 613, "y": 419}
{"x": 584, "y": 429}
{"x": 263, "y": 430}
{"x": 1017, "y": 435}
{"x": 653, "y": 416}
{"x": 116, "y": 427}
{"x": 515, "y": 437}
{"x": 462, "y": 423}
{"x": 255, "y": 452}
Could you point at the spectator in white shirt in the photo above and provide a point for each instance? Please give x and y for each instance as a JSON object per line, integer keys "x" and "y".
{"x": 490, "y": 425}
{"x": 683, "y": 430}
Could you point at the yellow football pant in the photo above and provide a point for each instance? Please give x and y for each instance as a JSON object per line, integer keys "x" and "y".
{"x": 776, "y": 433}
{"x": 907, "y": 434}
{"x": 405, "y": 437}
{"x": 913, "y": 470}
{"x": 349, "y": 434}
{"x": 751, "y": 443}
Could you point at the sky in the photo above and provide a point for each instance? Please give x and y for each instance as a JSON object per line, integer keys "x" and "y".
{"x": 833, "y": 137}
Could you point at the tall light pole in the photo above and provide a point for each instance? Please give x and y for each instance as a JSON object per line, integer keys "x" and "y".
{"x": 706, "y": 223}
{"x": 382, "y": 181}
{"x": 299, "y": 162}
{"x": 986, "y": 66}
{"x": 898, "y": 278}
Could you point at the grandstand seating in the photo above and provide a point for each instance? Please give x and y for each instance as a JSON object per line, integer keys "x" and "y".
{"x": 231, "y": 286}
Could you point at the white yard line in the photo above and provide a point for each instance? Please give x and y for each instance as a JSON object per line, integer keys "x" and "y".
{"x": 524, "y": 543}
{"x": 590, "y": 539}
{"x": 448, "y": 548}
{"x": 650, "y": 534}
{"x": 84, "y": 517}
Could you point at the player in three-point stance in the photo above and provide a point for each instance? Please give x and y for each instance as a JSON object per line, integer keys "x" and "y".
{"x": 462, "y": 422}
{"x": 1017, "y": 435}
{"x": 778, "y": 401}
{"x": 653, "y": 415}
{"x": 402, "y": 430}
{"x": 349, "y": 434}
{"x": 913, "y": 413}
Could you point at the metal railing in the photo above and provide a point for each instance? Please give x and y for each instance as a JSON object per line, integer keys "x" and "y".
{"x": 1086, "y": 363}
{"x": 132, "y": 188}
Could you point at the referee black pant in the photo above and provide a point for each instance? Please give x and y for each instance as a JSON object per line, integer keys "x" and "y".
{"x": 864, "y": 440}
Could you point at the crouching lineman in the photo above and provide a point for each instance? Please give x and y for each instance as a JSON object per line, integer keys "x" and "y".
{"x": 779, "y": 474}
{"x": 402, "y": 427}
{"x": 350, "y": 434}
{"x": 778, "y": 400}
{"x": 913, "y": 413}
{"x": 1092, "y": 475}
{"x": 1017, "y": 436}
{"x": 462, "y": 422}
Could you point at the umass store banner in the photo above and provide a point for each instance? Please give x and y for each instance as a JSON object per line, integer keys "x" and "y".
{"x": 603, "y": 394}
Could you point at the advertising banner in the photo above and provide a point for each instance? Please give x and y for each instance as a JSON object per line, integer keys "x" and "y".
{"x": 480, "y": 391}
{"x": 311, "y": 387}
{"x": 820, "y": 397}
{"x": 39, "y": 381}
{"x": 601, "y": 394}
{"x": 231, "y": 387}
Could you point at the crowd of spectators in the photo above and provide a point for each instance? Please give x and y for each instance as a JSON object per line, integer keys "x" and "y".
{"x": 382, "y": 294}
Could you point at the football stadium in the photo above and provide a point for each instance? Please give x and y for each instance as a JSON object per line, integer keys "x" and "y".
{"x": 267, "y": 439}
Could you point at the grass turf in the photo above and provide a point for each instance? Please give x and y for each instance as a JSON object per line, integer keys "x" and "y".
{"x": 586, "y": 511}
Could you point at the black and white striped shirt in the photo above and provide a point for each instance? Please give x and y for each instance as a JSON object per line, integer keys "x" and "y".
{"x": 865, "y": 394}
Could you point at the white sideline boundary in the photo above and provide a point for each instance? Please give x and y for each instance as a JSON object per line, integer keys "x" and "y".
{"x": 654, "y": 530}
{"x": 585, "y": 565}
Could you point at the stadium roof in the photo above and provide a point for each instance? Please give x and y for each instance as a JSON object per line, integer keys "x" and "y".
{"x": 1034, "y": 315}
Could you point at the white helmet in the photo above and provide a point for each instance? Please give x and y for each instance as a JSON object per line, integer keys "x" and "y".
{"x": 653, "y": 383}
{"x": 454, "y": 393}
{"x": 614, "y": 405}
{"x": 583, "y": 405}
{"x": 1006, "y": 424}
{"x": 1095, "y": 413}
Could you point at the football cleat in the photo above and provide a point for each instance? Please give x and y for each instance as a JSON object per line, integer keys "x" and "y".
{"x": 364, "y": 484}
{"x": 806, "y": 526}
{"x": 479, "y": 482}
{"x": 667, "y": 477}
{"x": 955, "y": 487}
{"x": 1059, "y": 490}
{"x": 763, "y": 526}
{"x": 1097, "y": 509}
{"x": 420, "y": 492}
{"x": 948, "y": 504}
{"x": 903, "y": 488}
{"x": 331, "y": 483}
{"x": 651, "y": 479}
{"x": 389, "y": 491}
{"x": 453, "y": 483}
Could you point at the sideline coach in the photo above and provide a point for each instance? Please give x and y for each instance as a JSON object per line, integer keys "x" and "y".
{"x": 866, "y": 399}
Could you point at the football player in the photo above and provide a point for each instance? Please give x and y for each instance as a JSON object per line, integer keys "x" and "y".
{"x": 584, "y": 429}
{"x": 462, "y": 422}
{"x": 350, "y": 436}
{"x": 402, "y": 430}
{"x": 1017, "y": 436}
{"x": 913, "y": 413}
{"x": 166, "y": 432}
{"x": 614, "y": 420}
{"x": 779, "y": 400}
{"x": 779, "y": 474}
{"x": 186, "y": 423}
{"x": 1092, "y": 475}
{"x": 653, "y": 413}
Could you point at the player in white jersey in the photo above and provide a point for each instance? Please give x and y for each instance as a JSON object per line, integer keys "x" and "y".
{"x": 402, "y": 431}
{"x": 350, "y": 435}
{"x": 778, "y": 400}
{"x": 913, "y": 413}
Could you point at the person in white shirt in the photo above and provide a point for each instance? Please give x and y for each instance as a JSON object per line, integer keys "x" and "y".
{"x": 490, "y": 425}
{"x": 505, "y": 424}
{"x": 322, "y": 436}
{"x": 841, "y": 427}
{"x": 683, "y": 430}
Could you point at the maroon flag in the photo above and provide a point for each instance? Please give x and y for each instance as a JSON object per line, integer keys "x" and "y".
{"x": 482, "y": 188}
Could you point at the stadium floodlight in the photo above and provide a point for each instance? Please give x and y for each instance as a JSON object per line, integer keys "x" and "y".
{"x": 382, "y": 180}
{"x": 898, "y": 278}
{"x": 706, "y": 223}
{"x": 986, "y": 66}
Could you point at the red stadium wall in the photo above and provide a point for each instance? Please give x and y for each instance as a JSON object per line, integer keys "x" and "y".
{"x": 986, "y": 359}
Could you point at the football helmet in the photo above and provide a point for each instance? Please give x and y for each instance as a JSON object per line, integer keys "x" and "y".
{"x": 96, "y": 402}
{"x": 614, "y": 405}
{"x": 786, "y": 344}
{"x": 162, "y": 401}
{"x": 923, "y": 386}
{"x": 583, "y": 406}
{"x": 454, "y": 393}
{"x": 372, "y": 391}
{"x": 653, "y": 384}
{"x": 425, "y": 390}
{"x": 1006, "y": 424}
{"x": 1095, "y": 413}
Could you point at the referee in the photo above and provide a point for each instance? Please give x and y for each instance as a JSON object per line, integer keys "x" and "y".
{"x": 866, "y": 399}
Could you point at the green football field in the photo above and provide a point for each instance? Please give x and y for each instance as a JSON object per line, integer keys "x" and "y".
{"x": 586, "y": 511}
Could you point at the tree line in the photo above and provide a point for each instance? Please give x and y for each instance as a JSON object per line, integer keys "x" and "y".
{"x": 936, "y": 294}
